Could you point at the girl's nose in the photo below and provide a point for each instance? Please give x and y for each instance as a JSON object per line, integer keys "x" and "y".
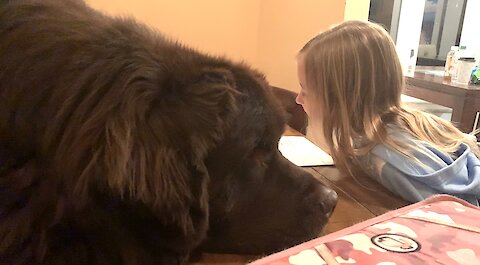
{"x": 299, "y": 99}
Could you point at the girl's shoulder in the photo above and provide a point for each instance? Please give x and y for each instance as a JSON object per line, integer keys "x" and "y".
{"x": 424, "y": 159}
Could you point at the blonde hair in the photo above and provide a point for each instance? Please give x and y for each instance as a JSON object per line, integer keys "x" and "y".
{"x": 354, "y": 76}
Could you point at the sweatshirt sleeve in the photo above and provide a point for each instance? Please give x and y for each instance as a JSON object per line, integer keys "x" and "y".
{"x": 438, "y": 173}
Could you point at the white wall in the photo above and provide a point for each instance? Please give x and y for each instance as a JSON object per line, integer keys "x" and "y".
{"x": 356, "y": 9}
{"x": 408, "y": 33}
{"x": 470, "y": 32}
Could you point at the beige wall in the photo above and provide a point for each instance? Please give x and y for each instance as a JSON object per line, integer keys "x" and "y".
{"x": 285, "y": 26}
{"x": 357, "y": 9}
{"x": 264, "y": 33}
{"x": 220, "y": 27}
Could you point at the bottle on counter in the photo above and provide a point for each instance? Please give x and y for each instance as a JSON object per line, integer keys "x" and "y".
{"x": 461, "y": 53}
{"x": 449, "y": 63}
{"x": 475, "y": 76}
{"x": 464, "y": 69}
{"x": 411, "y": 63}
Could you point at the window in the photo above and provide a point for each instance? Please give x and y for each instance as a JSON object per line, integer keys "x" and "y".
{"x": 441, "y": 26}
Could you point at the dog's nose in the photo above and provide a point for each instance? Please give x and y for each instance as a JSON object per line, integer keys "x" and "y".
{"x": 329, "y": 200}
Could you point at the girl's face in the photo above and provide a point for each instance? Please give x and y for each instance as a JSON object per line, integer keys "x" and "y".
{"x": 303, "y": 97}
{"x": 311, "y": 107}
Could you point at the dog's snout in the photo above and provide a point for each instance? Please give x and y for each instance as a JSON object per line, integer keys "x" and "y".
{"x": 319, "y": 195}
{"x": 329, "y": 200}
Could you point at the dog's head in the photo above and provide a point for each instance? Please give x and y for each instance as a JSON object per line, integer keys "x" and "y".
{"x": 259, "y": 201}
{"x": 129, "y": 143}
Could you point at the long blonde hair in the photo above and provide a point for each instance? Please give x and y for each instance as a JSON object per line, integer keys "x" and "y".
{"x": 353, "y": 73}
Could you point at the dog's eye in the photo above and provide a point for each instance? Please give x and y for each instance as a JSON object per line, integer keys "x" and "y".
{"x": 265, "y": 145}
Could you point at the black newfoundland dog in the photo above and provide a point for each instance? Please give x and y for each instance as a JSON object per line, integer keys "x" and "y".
{"x": 118, "y": 146}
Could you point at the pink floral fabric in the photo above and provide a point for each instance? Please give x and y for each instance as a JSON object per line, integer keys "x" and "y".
{"x": 440, "y": 230}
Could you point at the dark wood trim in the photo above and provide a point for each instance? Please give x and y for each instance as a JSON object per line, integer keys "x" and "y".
{"x": 464, "y": 100}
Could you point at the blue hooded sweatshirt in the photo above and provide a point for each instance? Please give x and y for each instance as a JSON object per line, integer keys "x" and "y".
{"x": 440, "y": 173}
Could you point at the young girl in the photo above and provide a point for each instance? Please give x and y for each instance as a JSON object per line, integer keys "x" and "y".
{"x": 351, "y": 82}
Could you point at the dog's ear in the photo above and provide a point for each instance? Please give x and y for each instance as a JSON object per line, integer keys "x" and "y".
{"x": 144, "y": 139}
{"x": 156, "y": 154}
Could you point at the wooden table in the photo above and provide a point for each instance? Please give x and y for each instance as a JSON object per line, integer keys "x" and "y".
{"x": 464, "y": 100}
{"x": 357, "y": 201}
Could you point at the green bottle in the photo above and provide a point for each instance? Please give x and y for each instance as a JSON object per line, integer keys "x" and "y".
{"x": 475, "y": 77}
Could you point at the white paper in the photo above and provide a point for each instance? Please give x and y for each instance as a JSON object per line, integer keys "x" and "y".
{"x": 300, "y": 151}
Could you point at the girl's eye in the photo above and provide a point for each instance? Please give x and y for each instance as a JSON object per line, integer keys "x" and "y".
{"x": 302, "y": 92}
